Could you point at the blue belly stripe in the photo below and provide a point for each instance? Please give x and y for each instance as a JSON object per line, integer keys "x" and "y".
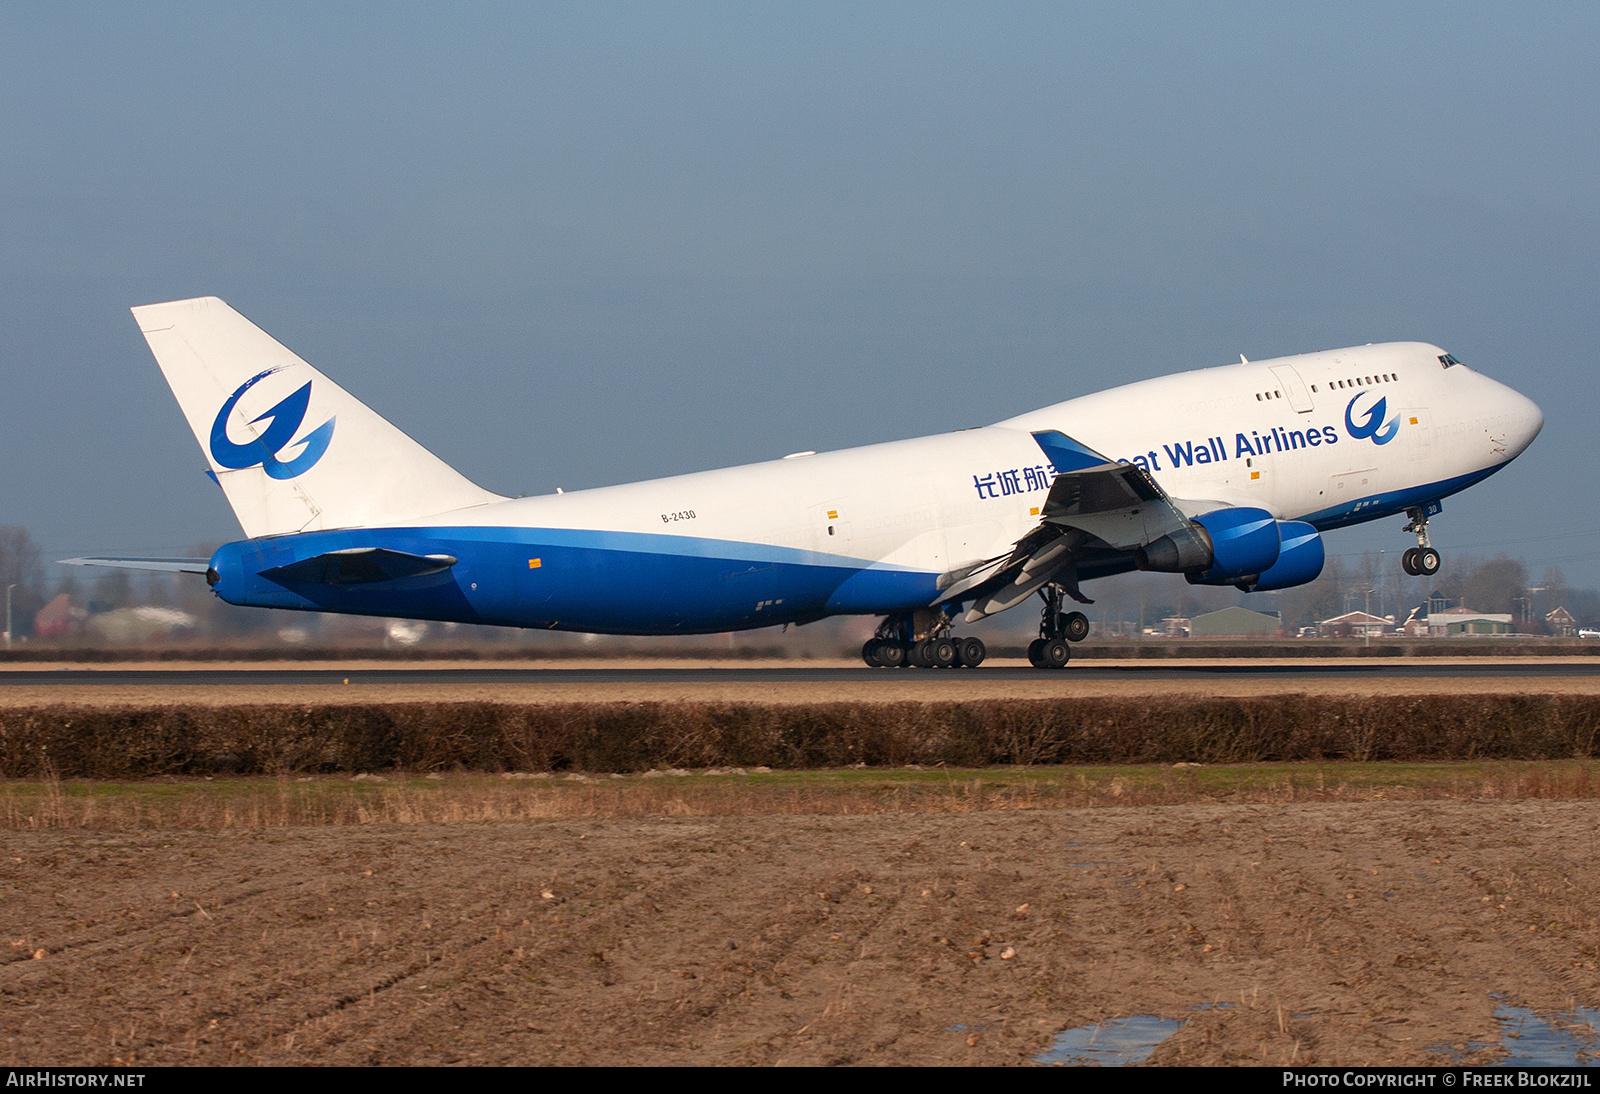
{"x": 1388, "y": 503}
{"x": 598, "y": 582}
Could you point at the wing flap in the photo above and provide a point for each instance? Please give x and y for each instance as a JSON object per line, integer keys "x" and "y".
{"x": 1117, "y": 503}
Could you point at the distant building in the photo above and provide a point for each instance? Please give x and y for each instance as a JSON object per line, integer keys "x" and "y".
{"x": 1416, "y": 624}
{"x": 1463, "y": 620}
{"x": 133, "y": 625}
{"x": 59, "y": 618}
{"x": 1234, "y": 623}
{"x": 1355, "y": 625}
{"x": 1176, "y": 626}
{"x": 1562, "y": 624}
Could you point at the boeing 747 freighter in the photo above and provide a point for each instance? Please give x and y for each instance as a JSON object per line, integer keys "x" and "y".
{"x": 1227, "y": 475}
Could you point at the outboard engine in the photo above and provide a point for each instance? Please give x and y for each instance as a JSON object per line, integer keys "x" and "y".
{"x": 1300, "y": 559}
{"x": 1223, "y": 547}
{"x": 1238, "y": 546}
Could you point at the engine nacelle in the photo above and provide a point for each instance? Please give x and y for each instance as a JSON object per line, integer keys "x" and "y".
{"x": 1244, "y": 544}
{"x": 1217, "y": 548}
{"x": 1300, "y": 558}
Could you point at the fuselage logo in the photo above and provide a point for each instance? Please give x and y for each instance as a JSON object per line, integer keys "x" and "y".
{"x": 285, "y": 421}
{"x": 1373, "y": 424}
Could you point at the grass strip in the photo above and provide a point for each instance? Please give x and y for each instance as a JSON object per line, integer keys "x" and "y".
{"x": 467, "y": 797}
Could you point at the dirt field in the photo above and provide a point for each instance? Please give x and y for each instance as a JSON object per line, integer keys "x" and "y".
{"x": 1334, "y": 933}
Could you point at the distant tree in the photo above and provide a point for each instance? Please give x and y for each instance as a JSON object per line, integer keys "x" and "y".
{"x": 20, "y": 566}
{"x": 1496, "y": 586}
{"x": 113, "y": 589}
{"x": 1308, "y": 605}
{"x": 1584, "y": 604}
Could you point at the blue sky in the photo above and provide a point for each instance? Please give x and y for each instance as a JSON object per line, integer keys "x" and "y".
{"x": 583, "y": 244}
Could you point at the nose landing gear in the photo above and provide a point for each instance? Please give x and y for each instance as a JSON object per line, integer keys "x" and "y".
{"x": 1421, "y": 560}
{"x": 1056, "y": 629}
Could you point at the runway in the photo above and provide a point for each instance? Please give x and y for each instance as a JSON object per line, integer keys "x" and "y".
{"x": 772, "y": 681}
{"x": 634, "y": 673}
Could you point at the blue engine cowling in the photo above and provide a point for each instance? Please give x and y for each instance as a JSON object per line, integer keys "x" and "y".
{"x": 1300, "y": 558}
{"x": 1244, "y": 544}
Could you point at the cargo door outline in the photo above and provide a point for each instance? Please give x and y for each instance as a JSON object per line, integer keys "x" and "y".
{"x": 1418, "y": 428}
{"x": 1294, "y": 388}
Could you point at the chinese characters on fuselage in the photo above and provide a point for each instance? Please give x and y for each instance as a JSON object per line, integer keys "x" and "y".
{"x": 1018, "y": 480}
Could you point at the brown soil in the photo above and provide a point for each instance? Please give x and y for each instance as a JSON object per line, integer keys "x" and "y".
{"x": 1341, "y": 933}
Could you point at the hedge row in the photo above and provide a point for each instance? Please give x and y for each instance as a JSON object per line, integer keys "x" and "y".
{"x": 134, "y": 742}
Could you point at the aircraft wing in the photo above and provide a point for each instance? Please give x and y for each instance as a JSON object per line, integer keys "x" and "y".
{"x": 1094, "y": 504}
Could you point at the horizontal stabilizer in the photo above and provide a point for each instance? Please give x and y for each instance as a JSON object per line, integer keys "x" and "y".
{"x": 360, "y": 566}
{"x": 160, "y": 565}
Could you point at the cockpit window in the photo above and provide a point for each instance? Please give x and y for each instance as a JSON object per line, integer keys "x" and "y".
{"x": 1446, "y": 360}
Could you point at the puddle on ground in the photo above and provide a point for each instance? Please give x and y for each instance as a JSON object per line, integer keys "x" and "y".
{"x": 1571, "y": 1039}
{"x": 1116, "y": 1043}
{"x": 1566, "y": 1039}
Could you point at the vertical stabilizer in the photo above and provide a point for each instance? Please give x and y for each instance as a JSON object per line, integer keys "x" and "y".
{"x": 293, "y": 451}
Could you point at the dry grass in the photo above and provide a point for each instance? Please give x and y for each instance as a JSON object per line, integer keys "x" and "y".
{"x": 150, "y": 741}
{"x": 467, "y": 798}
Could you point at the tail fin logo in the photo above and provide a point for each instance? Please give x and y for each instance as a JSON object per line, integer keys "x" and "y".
{"x": 285, "y": 421}
{"x": 1373, "y": 425}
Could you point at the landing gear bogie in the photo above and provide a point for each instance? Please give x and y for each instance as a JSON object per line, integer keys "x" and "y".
{"x": 1075, "y": 626}
{"x": 880, "y": 653}
{"x": 1057, "y": 630}
{"x": 1049, "y": 653}
{"x": 1421, "y": 560}
{"x": 939, "y": 650}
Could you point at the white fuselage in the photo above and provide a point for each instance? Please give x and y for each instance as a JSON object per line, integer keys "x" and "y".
{"x": 1238, "y": 435}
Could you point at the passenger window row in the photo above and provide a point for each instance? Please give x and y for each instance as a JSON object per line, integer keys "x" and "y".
{"x": 1355, "y": 381}
{"x": 1362, "y": 381}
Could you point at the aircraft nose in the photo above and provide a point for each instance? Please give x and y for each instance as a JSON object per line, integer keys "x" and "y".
{"x": 1522, "y": 416}
{"x": 1529, "y": 421}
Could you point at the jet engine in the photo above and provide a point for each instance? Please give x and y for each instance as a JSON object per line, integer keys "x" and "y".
{"x": 1222, "y": 547}
{"x": 1300, "y": 558}
{"x": 1238, "y": 546}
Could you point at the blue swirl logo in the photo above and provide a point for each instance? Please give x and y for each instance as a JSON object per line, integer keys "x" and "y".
{"x": 1373, "y": 425}
{"x": 285, "y": 419}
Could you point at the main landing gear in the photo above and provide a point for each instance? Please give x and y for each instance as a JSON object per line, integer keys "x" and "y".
{"x": 898, "y": 645}
{"x": 1056, "y": 629}
{"x": 1421, "y": 560}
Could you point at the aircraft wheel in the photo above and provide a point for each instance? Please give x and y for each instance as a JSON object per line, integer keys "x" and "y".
{"x": 1427, "y": 562}
{"x": 1033, "y": 652}
{"x": 1054, "y": 653}
{"x": 869, "y": 653}
{"x": 919, "y": 656}
{"x": 941, "y": 653}
{"x": 1408, "y": 561}
{"x": 973, "y": 652}
{"x": 1075, "y": 625}
{"x": 891, "y": 655}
